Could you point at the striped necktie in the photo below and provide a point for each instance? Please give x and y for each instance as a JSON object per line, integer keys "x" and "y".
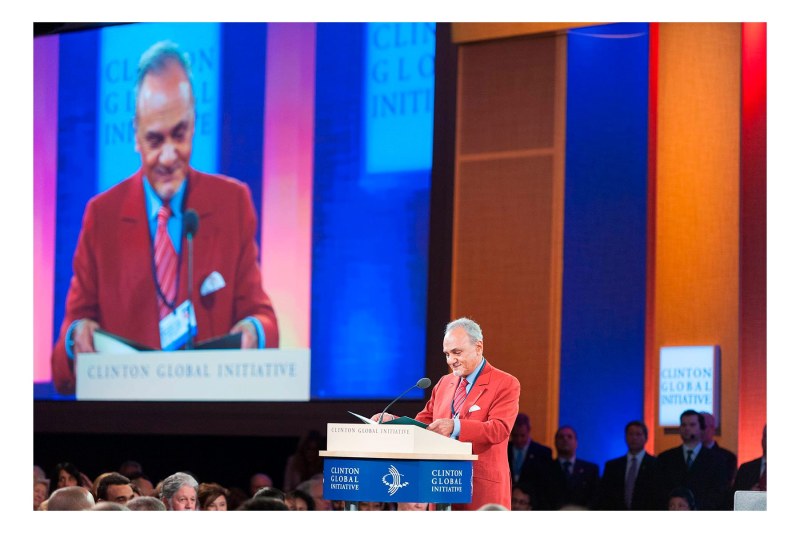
{"x": 166, "y": 260}
{"x": 460, "y": 396}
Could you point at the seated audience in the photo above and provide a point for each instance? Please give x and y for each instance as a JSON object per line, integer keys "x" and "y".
{"x": 297, "y": 500}
{"x": 212, "y": 497}
{"x": 305, "y": 461}
{"x": 179, "y": 492}
{"x": 108, "y": 506}
{"x": 70, "y": 498}
{"x": 681, "y": 499}
{"x": 263, "y": 504}
{"x": 146, "y": 503}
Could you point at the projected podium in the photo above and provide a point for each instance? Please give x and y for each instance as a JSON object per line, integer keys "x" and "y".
{"x": 395, "y": 463}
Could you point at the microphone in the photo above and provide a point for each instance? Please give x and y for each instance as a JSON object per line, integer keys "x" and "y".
{"x": 190, "y": 223}
{"x": 423, "y": 383}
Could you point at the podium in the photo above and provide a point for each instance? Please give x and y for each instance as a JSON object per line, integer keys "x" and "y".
{"x": 395, "y": 463}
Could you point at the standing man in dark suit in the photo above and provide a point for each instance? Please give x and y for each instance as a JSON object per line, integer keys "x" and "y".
{"x": 529, "y": 461}
{"x": 693, "y": 466}
{"x": 571, "y": 481}
{"x": 631, "y": 481}
{"x": 727, "y": 457}
{"x": 752, "y": 475}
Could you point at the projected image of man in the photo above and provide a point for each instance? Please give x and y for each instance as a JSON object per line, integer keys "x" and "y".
{"x": 130, "y": 266}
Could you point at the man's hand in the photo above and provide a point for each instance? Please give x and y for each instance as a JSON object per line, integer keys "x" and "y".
{"x": 442, "y": 426}
{"x": 83, "y": 336}
{"x": 249, "y": 334}
{"x": 386, "y": 417}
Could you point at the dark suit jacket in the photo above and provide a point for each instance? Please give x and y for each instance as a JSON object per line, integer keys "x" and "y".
{"x": 747, "y": 477}
{"x": 707, "y": 478}
{"x": 579, "y": 489}
{"x": 534, "y": 471}
{"x": 728, "y": 459}
{"x": 113, "y": 276}
{"x": 487, "y": 417}
{"x": 646, "y": 492}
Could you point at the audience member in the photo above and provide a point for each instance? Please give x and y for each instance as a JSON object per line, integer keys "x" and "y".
{"x": 752, "y": 475}
{"x": 263, "y": 504}
{"x": 413, "y": 506}
{"x": 371, "y": 506}
{"x": 270, "y": 492}
{"x": 298, "y": 500}
{"x": 258, "y": 481}
{"x": 130, "y": 469}
{"x": 71, "y": 498}
{"x": 41, "y": 490}
{"x": 492, "y": 507}
{"x": 305, "y": 461}
{"x": 529, "y": 461}
{"x": 38, "y": 472}
{"x": 212, "y": 497}
{"x": 179, "y": 492}
{"x": 68, "y": 475}
{"x": 693, "y": 466}
{"x": 521, "y": 498}
{"x": 236, "y": 497}
{"x": 572, "y": 481}
{"x": 113, "y": 487}
{"x": 681, "y": 499}
{"x": 143, "y": 484}
{"x": 314, "y": 487}
{"x": 726, "y": 457}
{"x": 108, "y": 506}
{"x": 146, "y": 503}
{"x": 631, "y": 481}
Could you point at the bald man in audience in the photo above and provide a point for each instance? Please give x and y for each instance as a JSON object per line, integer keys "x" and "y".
{"x": 70, "y": 499}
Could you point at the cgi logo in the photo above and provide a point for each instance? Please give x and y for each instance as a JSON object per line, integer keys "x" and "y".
{"x": 395, "y": 484}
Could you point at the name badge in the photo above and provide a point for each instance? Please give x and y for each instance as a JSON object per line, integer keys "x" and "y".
{"x": 176, "y": 327}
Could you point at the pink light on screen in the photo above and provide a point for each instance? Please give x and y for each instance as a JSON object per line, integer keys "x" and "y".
{"x": 288, "y": 178}
{"x": 45, "y": 149}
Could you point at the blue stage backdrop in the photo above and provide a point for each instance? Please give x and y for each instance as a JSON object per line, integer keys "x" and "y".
{"x": 605, "y": 230}
{"x": 371, "y": 211}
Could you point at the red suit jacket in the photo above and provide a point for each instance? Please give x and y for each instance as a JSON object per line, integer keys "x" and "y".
{"x": 487, "y": 427}
{"x": 113, "y": 280}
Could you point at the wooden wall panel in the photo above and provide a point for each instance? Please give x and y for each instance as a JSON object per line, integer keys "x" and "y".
{"x": 696, "y": 294}
{"x": 508, "y": 213}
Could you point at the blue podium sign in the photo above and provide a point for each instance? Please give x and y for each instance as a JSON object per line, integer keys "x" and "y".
{"x": 397, "y": 480}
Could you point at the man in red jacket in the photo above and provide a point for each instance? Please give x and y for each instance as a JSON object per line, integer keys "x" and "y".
{"x": 484, "y": 416}
{"x": 119, "y": 283}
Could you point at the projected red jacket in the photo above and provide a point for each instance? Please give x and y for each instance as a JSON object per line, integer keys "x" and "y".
{"x": 487, "y": 417}
{"x": 113, "y": 280}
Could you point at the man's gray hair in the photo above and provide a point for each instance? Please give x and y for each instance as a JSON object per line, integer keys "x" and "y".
{"x": 470, "y": 326}
{"x": 146, "y": 503}
{"x": 174, "y": 483}
{"x": 157, "y": 58}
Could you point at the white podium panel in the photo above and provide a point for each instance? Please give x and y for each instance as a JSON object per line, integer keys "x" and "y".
{"x": 390, "y": 440}
{"x": 201, "y": 375}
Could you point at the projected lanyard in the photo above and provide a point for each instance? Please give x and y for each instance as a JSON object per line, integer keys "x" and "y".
{"x": 453, "y": 401}
{"x": 176, "y": 327}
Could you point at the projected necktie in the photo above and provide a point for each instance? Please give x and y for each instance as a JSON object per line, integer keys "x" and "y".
{"x": 166, "y": 263}
{"x": 460, "y": 396}
{"x": 630, "y": 482}
{"x": 689, "y": 458}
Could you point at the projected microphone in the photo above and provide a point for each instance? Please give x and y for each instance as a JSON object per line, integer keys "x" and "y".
{"x": 190, "y": 223}
{"x": 423, "y": 383}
